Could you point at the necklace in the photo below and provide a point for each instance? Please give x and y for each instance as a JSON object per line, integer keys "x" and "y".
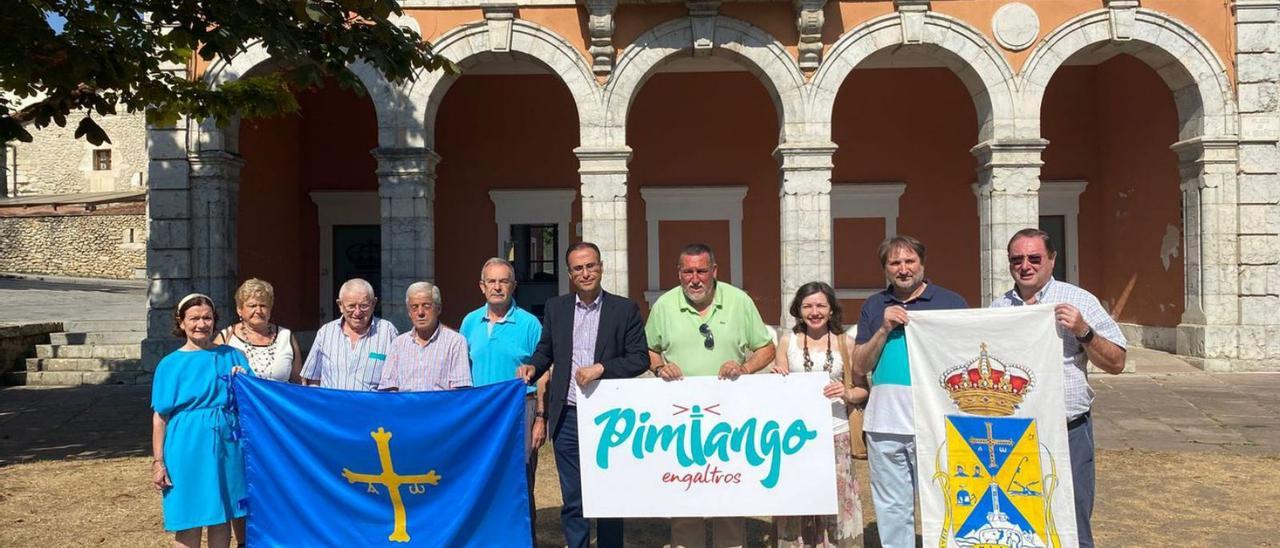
{"x": 262, "y": 357}
{"x": 808, "y": 362}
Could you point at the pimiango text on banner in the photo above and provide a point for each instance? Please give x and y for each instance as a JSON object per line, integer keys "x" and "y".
{"x": 702, "y": 446}
{"x": 991, "y": 436}
{"x": 340, "y": 468}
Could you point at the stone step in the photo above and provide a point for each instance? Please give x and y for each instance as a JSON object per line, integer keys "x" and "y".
{"x": 89, "y": 351}
{"x": 108, "y": 337}
{"x": 76, "y": 378}
{"x": 92, "y": 326}
{"x": 83, "y": 365}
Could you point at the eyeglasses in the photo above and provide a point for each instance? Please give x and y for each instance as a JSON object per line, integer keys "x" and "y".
{"x": 1015, "y": 260}
{"x": 363, "y": 307}
{"x": 708, "y": 340}
{"x": 579, "y": 269}
{"x": 497, "y": 283}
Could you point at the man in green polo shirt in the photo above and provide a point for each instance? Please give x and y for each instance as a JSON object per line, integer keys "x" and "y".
{"x": 706, "y": 327}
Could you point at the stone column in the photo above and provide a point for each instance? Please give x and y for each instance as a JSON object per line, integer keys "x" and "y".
{"x": 191, "y": 211}
{"x": 1257, "y": 28}
{"x": 604, "y": 210}
{"x": 1209, "y": 332}
{"x": 1008, "y": 201}
{"x": 805, "y": 214}
{"x": 407, "y": 191}
{"x": 215, "y": 198}
{"x": 169, "y": 236}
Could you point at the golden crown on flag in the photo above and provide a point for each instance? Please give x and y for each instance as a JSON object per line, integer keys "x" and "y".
{"x": 986, "y": 386}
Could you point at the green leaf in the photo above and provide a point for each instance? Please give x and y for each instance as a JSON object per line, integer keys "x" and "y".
{"x": 91, "y": 132}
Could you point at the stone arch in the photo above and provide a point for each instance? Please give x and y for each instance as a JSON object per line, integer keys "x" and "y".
{"x": 1182, "y": 58}
{"x": 740, "y": 41}
{"x": 962, "y": 48}
{"x": 255, "y": 58}
{"x": 470, "y": 45}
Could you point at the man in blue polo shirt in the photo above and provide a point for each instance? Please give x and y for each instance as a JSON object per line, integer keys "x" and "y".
{"x": 881, "y": 352}
{"x": 500, "y": 337}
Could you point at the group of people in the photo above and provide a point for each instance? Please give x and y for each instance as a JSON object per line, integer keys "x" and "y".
{"x": 704, "y": 327}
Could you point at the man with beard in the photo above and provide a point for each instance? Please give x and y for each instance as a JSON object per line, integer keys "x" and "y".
{"x": 706, "y": 327}
{"x": 881, "y": 353}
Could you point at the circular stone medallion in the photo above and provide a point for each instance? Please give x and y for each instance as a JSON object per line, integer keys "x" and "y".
{"x": 1016, "y": 26}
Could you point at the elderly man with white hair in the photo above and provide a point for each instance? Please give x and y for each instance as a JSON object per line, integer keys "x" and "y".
{"x": 349, "y": 352}
{"x": 430, "y": 356}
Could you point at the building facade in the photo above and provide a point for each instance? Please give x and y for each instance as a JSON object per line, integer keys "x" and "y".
{"x": 791, "y": 136}
{"x": 71, "y": 208}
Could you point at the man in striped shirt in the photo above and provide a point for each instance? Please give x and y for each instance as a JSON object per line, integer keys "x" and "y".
{"x": 348, "y": 352}
{"x": 1088, "y": 334}
{"x": 430, "y": 356}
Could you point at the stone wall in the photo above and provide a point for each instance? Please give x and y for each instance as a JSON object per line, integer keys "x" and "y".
{"x": 55, "y": 162}
{"x": 95, "y": 246}
{"x": 18, "y": 342}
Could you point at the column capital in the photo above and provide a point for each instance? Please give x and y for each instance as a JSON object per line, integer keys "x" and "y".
{"x": 805, "y": 156}
{"x": 399, "y": 161}
{"x": 1009, "y": 153}
{"x": 215, "y": 164}
{"x": 603, "y": 160}
{"x": 1206, "y": 151}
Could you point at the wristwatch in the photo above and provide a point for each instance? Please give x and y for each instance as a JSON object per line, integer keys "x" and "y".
{"x": 540, "y": 415}
{"x": 1088, "y": 336}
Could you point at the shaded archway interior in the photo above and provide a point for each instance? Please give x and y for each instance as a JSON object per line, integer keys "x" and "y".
{"x": 713, "y": 128}
{"x": 898, "y": 123}
{"x": 322, "y": 147}
{"x": 1111, "y": 124}
{"x": 502, "y": 125}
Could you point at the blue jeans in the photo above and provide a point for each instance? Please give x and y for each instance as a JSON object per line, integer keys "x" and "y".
{"x": 1080, "y": 440}
{"x": 892, "y": 459}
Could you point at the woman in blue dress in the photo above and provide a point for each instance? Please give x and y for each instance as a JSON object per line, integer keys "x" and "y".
{"x": 197, "y": 463}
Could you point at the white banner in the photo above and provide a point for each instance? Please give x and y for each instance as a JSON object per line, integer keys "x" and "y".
{"x": 991, "y": 436}
{"x": 757, "y": 446}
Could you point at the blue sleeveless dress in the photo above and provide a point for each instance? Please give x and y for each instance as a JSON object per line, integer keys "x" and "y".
{"x": 192, "y": 390}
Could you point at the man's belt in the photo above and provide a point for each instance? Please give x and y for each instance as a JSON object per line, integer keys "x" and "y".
{"x": 1078, "y": 421}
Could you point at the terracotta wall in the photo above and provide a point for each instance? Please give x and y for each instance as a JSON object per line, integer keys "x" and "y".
{"x": 1112, "y": 125}
{"x": 495, "y": 132}
{"x": 324, "y": 146}
{"x": 913, "y": 126}
{"x": 1210, "y": 19}
{"x": 708, "y": 129}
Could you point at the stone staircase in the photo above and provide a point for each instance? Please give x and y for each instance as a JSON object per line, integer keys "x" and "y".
{"x": 88, "y": 352}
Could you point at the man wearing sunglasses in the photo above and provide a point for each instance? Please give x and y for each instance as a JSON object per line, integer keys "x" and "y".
{"x": 881, "y": 353}
{"x": 589, "y": 334}
{"x": 1088, "y": 333}
{"x": 703, "y": 328}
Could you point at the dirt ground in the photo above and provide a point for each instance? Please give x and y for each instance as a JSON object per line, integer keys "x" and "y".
{"x": 1145, "y": 499}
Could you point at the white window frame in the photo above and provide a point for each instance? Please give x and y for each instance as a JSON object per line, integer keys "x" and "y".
{"x": 1063, "y": 198}
{"x": 698, "y": 203}
{"x": 340, "y": 208}
{"x": 865, "y": 201}
{"x": 535, "y": 206}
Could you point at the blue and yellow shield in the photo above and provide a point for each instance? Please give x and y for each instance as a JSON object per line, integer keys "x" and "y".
{"x": 997, "y": 493}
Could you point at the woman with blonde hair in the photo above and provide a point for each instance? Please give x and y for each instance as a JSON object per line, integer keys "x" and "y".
{"x": 272, "y": 350}
{"x": 819, "y": 343}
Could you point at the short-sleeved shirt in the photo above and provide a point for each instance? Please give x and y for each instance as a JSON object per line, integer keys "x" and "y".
{"x": 498, "y": 348}
{"x": 440, "y": 364}
{"x": 337, "y": 363}
{"x": 1078, "y": 393}
{"x": 890, "y": 409}
{"x": 734, "y": 321}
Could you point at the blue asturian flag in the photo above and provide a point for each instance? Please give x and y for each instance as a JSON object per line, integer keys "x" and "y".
{"x": 339, "y": 468}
